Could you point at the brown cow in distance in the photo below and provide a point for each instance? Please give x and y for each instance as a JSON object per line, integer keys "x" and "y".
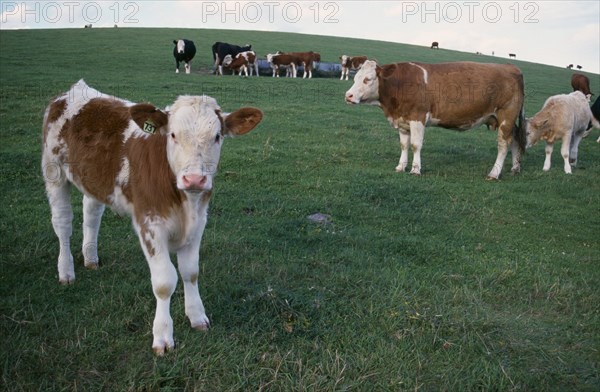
{"x": 287, "y": 61}
{"x": 435, "y": 45}
{"x": 306, "y": 59}
{"x": 460, "y": 96}
{"x": 581, "y": 83}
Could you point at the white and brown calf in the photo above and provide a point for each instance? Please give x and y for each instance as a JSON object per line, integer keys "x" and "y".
{"x": 351, "y": 63}
{"x": 566, "y": 117}
{"x": 241, "y": 63}
{"x": 282, "y": 61}
{"x": 155, "y": 166}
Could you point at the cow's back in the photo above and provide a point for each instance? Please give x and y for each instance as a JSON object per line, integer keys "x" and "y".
{"x": 453, "y": 95}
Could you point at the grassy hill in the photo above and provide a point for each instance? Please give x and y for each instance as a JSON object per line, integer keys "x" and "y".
{"x": 438, "y": 282}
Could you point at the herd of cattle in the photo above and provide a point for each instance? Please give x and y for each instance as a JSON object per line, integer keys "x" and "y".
{"x": 244, "y": 61}
{"x": 158, "y": 165}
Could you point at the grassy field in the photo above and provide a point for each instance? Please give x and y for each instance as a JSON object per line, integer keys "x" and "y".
{"x": 439, "y": 282}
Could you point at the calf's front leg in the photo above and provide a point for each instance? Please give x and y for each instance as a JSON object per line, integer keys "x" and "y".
{"x": 188, "y": 264}
{"x": 548, "y": 160}
{"x": 92, "y": 216}
{"x": 164, "y": 280}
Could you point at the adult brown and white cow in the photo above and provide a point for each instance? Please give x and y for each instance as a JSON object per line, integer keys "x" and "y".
{"x": 566, "y": 117}
{"x": 458, "y": 96}
{"x": 155, "y": 166}
{"x": 581, "y": 83}
{"x": 351, "y": 63}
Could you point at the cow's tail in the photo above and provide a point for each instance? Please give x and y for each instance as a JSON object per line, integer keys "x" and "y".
{"x": 520, "y": 130}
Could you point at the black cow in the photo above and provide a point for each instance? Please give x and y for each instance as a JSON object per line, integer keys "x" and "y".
{"x": 184, "y": 50}
{"x": 222, "y": 49}
{"x": 596, "y": 113}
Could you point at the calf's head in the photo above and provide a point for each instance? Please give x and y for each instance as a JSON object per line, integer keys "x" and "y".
{"x": 537, "y": 127}
{"x": 196, "y": 130}
{"x": 366, "y": 85}
{"x": 227, "y": 60}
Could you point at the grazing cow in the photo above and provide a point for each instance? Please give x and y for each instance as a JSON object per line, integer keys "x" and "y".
{"x": 566, "y": 117}
{"x": 458, "y": 96}
{"x": 570, "y": 66}
{"x": 351, "y": 63}
{"x": 306, "y": 59}
{"x": 512, "y": 55}
{"x": 579, "y": 67}
{"x": 242, "y": 62}
{"x": 155, "y": 166}
{"x": 184, "y": 50}
{"x": 222, "y": 49}
{"x": 435, "y": 45}
{"x": 581, "y": 83}
{"x": 282, "y": 60}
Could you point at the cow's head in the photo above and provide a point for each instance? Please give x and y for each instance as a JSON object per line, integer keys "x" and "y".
{"x": 344, "y": 59}
{"x": 180, "y": 46}
{"x": 537, "y": 127}
{"x": 366, "y": 85}
{"x": 195, "y": 133}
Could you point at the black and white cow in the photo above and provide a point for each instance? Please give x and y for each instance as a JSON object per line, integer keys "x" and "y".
{"x": 184, "y": 50}
{"x": 222, "y": 49}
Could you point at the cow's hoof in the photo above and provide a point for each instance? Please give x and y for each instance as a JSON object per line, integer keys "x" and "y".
{"x": 491, "y": 178}
{"x": 67, "y": 280}
{"x": 400, "y": 169}
{"x": 93, "y": 265}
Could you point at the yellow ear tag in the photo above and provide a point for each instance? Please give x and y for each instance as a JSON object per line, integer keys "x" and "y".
{"x": 149, "y": 127}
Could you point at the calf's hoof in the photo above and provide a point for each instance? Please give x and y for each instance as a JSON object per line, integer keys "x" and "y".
{"x": 202, "y": 324}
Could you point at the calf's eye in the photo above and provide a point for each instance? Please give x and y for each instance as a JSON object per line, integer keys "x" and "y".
{"x": 366, "y": 81}
{"x": 218, "y": 138}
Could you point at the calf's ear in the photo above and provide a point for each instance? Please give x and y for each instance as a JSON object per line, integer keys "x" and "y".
{"x": 241, "y": 121}
{"x": 149, "y": 118}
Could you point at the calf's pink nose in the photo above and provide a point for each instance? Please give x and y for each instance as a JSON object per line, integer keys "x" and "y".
{"x": 194, "y": 181}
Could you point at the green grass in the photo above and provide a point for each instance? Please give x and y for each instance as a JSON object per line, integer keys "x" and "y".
{"x": 439, "y": 282}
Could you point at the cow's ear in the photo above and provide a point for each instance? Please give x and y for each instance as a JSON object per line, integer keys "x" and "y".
{"x": 175, "y": 41}
{"x": 149, "y": 118}
{"x": 241, "y": 121}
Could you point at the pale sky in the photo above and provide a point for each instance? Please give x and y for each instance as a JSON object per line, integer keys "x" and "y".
{"x": 549, "y": 32}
